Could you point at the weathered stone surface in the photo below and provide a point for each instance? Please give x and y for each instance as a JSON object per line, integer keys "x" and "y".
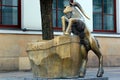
{"x": 24, "y": 63}
{"x": 59, "y": 57}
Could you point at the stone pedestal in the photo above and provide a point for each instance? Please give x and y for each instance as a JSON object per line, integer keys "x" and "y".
{"x": 56, "y": 58}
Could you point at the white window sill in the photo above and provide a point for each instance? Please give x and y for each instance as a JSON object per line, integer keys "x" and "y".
{"x": 55, "y": 33}
{"x": 19, "y": 32}
{"x": 97, "y": 34}
{"x": 115, "y": 35}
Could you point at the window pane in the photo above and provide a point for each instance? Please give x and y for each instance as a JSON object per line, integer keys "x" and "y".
{"x": 54, "y": 18}
{"x": 97, "y": 22}
{"x": 10, "y": 2}
{"x": 54, "y": 4}
{"x": 108, "y": 22}
{"x": 97, "y": 6}
{"x": 66, "y": 2}
{"x": 108, "y": 6}
{"x": 97, "y": 2}
{"x": 103, "y": 15}
{"x": 60, "y": 4}
{"x": 9, "y": 15}
{"x": 60, "y": 14}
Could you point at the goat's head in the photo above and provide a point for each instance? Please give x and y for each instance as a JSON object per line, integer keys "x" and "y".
{"x": 70, "y": 8}
{"x": 68, "y": 11}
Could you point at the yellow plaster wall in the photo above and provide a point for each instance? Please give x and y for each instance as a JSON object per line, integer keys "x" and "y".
{"x": 13, "y": 54}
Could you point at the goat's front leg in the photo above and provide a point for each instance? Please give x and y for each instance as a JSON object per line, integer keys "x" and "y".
{"x": 64, "y": 19}
{"x": 68, "y": 30}
{"x": 71, "y": 21}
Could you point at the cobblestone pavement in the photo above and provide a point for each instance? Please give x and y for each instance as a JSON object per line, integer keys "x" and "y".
{"x": 113, "y": 73}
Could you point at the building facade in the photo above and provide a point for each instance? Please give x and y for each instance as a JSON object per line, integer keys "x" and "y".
{"x": 20, "y": 23}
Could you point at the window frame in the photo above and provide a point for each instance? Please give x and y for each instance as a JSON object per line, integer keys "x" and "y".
{"x": 114, "y": 19}
{"x": 58, "y": 28}
{"x": 18, "y": 26}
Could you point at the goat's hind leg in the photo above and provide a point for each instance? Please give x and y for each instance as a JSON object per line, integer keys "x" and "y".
{"x": 96, "y": 50}
{"x": 84, "y": 54}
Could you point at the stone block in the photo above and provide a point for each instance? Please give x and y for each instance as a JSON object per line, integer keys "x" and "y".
{"x": 8, "y": 64}
{"x": 24, "y": 63}
{"x": 59, "y": 57}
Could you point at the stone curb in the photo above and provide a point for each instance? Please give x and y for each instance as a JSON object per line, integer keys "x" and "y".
{"x": 100, "y": 78}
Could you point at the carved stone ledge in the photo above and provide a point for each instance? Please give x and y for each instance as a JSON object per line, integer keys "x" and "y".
{"x": 56, "y": 58}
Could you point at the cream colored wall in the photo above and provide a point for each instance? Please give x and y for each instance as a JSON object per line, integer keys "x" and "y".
{"x": 118, "y": 15}
{"x": 31, "y": 14}
{"x": 88, "y": 8}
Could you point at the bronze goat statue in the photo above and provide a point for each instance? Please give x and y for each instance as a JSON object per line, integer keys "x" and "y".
{"x": 73, "y": 22}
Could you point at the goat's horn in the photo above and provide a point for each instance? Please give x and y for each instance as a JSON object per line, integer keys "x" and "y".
{"x": 80, "y": 8}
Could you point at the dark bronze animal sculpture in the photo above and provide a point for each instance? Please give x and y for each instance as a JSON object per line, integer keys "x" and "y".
{"x": 72, "y": 22}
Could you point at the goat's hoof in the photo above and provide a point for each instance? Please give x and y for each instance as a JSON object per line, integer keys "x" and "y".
{"x": 100, "y": 73}
{"x": 81, "y": 75}
{"x": 66, "y": 34}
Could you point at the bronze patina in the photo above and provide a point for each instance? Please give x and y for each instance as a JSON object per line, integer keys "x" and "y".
{"x": 73, "y": 21}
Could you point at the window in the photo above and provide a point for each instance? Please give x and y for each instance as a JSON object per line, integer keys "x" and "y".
{"x": 57, "y": 7}
{"x": 10, "y": 14}
{"x": 104, "y": 15}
